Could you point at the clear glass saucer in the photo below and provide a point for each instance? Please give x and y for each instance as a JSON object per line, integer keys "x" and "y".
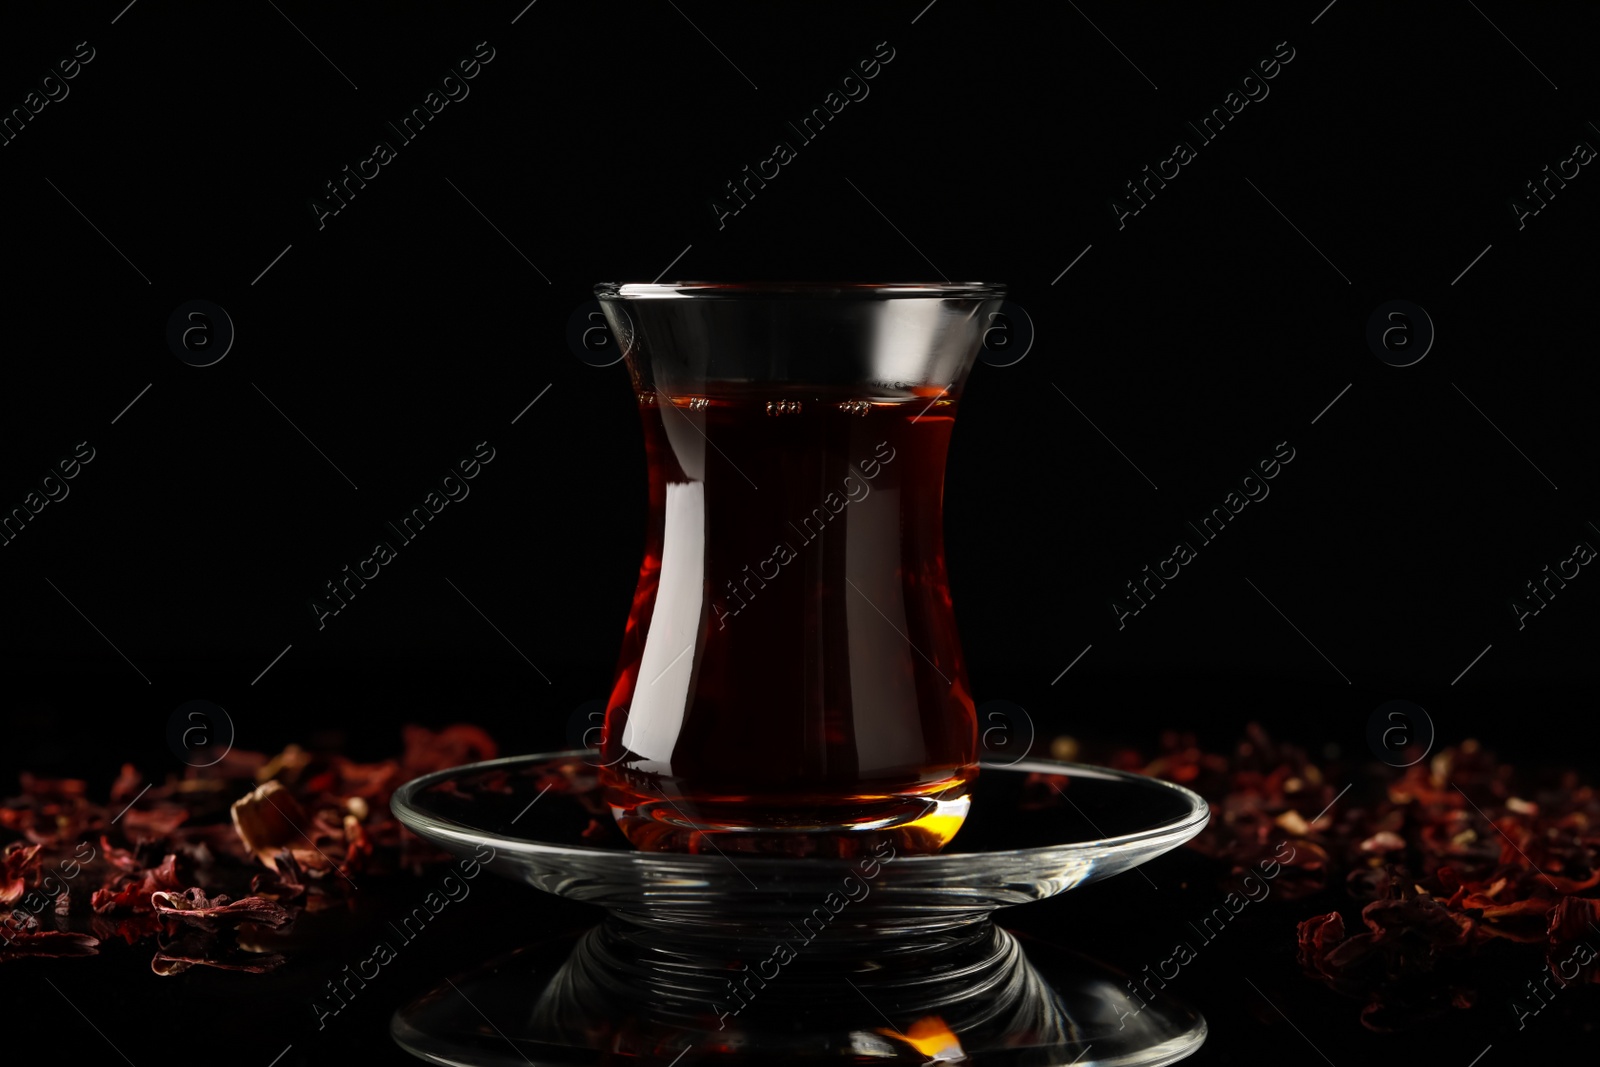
{"x": 754, "y": 958}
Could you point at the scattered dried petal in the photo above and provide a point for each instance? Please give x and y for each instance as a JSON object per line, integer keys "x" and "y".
{"x": 1317, "y": 935}
{"x": 427, "y": 751}
{"x": 1573, "y": 918}
{"x": 154, "y": 823}
{"x": 1384, "y": 841}
{"x": 1293, "y": 822}
{"x": 134, "y": 894}
{"x": 286, "y": 765}
{"x": 1420, "y": 919}
{"x": 192, "y": 903}
{"x": 128, "y": 784}
{"x": 269, "y": 818}
{"x": 15, "y": 863}
{"x": 284, "y": 881}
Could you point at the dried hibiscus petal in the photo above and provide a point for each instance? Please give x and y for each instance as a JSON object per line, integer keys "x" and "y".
{"x": 427, "y": 751}
{"x": 120, "y": 858}
{"x": 53, "y": 788}
{"x": 285, "y": 882}
{"x": 1383, "y": 841}
{"x": 1317, "y": 936}
{"x": 287, "y": 765}
{"x": 1305, "y": 868}
{"x": 154, "y": 823}
{"x": 367, "y": 779}
{"x": 193, "y": 903}
{"x": 1420, "y": 919}
{"x": 128, "y": 784}
{"x": 1356, "y": 955}
{"x": 1518, "y": 920}
{"x": 267, "y": 819}
{"x": 1573, "y": 918}
{"x": 134, "y": 895}
{"x": 15, "y": 863}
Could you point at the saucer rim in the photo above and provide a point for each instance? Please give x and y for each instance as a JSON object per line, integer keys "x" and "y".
{"x": 439, "y": 829}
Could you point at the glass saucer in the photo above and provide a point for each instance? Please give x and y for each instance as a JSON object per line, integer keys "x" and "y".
{"x": 886, "y": 958}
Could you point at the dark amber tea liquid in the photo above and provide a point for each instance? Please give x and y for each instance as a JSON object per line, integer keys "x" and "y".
{"x": 791, "y": 680}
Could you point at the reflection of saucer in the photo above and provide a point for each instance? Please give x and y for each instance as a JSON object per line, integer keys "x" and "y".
{"x": 798, "y": 959}
{"x": 574, "y": 1002}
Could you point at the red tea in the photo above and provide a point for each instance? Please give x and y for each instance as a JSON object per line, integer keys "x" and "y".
{"x": 791, "y": 680}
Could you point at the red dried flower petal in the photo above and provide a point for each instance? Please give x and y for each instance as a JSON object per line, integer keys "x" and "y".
{"x": 427, "y": 751}
{"x": 193, "y": 903}
{"x": 269, "y": 818}
{"x": 1317, "y": 935}
{"x": 367, "y": 779}
{"x": 1383, "y": 841}
{"x": 286, "y": 882}
{"x": 134, "y": 895}
{"x": 15, "y": 863}
{"x": 1519, "y": 920}
{"x": 53, "y": 788}
{"x": 326, "y": 782}
{"x": 1351, "y": 954}
{"x": 1573, "y": 918}
{"x": 236, "y": 764}
{"x": 120, "y": 858}
{"x": 286, "y": 766}
{"x": 128, "y": 784}
{"x": 1420, "y": 918}
{"x": 154, "y": 823}
{"x": 1574, "y": 963}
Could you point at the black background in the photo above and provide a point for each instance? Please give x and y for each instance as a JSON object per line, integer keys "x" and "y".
{"x": 1220, "y": 320}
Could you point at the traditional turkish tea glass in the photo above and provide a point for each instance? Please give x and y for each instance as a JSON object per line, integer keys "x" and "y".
{"x": 791, "y": 680}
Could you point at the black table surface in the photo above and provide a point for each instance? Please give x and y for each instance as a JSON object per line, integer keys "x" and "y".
{"x": 1259, "y": 1007}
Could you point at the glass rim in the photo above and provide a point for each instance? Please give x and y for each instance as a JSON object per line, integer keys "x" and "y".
{"x": 682, "y": 290}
